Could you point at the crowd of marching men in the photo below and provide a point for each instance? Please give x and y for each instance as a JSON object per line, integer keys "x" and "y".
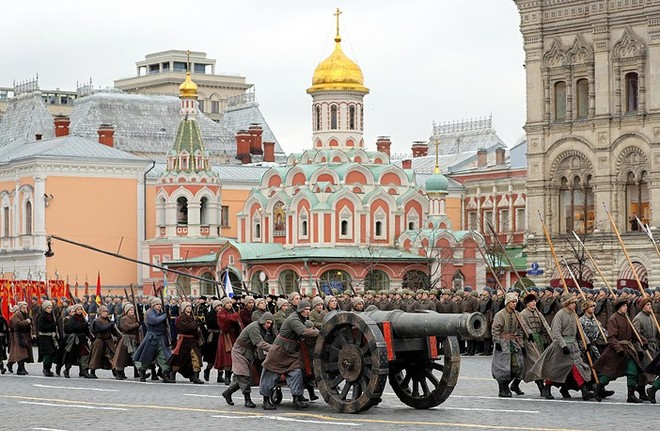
{"x": 533, "y": 336}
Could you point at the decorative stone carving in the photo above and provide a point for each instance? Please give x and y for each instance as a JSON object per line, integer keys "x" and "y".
{"x": 629, "y": 46}
{"x": 556, "y": 56}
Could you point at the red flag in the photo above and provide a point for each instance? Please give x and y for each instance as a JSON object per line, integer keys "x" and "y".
{"x": 86, "y": 288}
{"x": 75, "y": 292}
{"x": 98, "y": 289}
{"x": 5, "y": 301}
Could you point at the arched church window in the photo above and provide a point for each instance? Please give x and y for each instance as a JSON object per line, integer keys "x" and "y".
{"x": 207, "y": 287}
{"x": 344, "y": 228}
{"x": 335, "y": 280}
{"x": 379, "y": 229}
{"x": 160, "y": 212}
{"x": 333, "y": 117}
{"x": 457, "y": 280}
{"x": 289, "y": 281}
{"x": 351, "y": 118}
{"x": 257, "y": 231}
{"x": 560, "y": 101}
{"x": 582, "y": 98}
{"x": 182, "y": 210}
{"x": 377, "y": 280}
{"x": 576, "y": 203}
{"x": 183, "y": 283}
{"x": 28, "y": 218}
{"x": 415, "y": 280}
{"x": 317, "y": 112}
{"x": 204, "y": 211}
{"x": 632, "y": 92}
{"x": 637, "y": 200}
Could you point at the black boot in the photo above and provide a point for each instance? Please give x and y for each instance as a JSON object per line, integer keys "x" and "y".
{"x": 154, "y": 374}
{"x": 143, "y": 375}
{"x": 564, "y": 392}
{"x": 539, "y": 383}
{"x": 66, "y": 371}
{"x": 47, "y": 372}
{"x": 631, "y": 396}
{"x": 58, "y": 369}
{"x": 642, "y": 393}
{"x": 2, "y": 368}
{"x": 169, "y": 377}
{"x": 547, "y": 394}
{"x": 219, "y": 379}
{"x": 515, "y": 387}
{"x": 92, "y": 374}
{"x": 21, "y": 369}
{"x": 10, "y": 367}
{"x": 310, "y": 391}
{"x": 207, "y": 373}
{"x": 195, "y": 379}
{"x": 650, "y": 393}
{"x": 586, "y": 393}
{"x": 248, "y": 401}
{"x": 268, "y": 405}
{"x": 230, "y": 390}
{"x": 298, "y": 403}
{"x": 227, "y": 377}
{"x": 504, "y": 390}
{"x": 136, "y": 372}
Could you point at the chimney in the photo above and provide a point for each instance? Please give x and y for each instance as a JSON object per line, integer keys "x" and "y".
{"x": 106, "y": 135}
{"x": 419, "y": 149}
{"x": 255, "y": 131}
{"x": 499, "y": 156}
{"x": 269, "y": 151}
{"x": 243, "y": 140}
{"x": 61, "y": 126}
{"x": 383, "y": 144}
{"x": 406, "y": 164}
{"x": 482, "y": 158}
{"x": 37, "y": 137}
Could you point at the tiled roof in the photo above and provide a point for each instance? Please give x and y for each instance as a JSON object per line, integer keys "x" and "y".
{"x": 226, "y": 173}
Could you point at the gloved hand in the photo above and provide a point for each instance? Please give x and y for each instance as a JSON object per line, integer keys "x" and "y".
{"x": 530, "y": 338}
{"x": 498, "y": 347}
{"x": 566, "y": 350}
{"x": 621, "y": 353}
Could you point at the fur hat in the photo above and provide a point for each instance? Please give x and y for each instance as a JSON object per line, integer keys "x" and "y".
{"x": 155, "y": 301}
{"x": 530, "y": 297}
{"x": 292, "y": 295}
{"x": 316, "y": 301}
{"x": 355, "y": 301}
{"x": 226, "y": 300}
{"x": 588, "y": 303}
{"x": 75, "y": 307}
{"x": 216, "y": 303}
{"x": 185, "y": 304}
{"x": 644, "y": 301}
{"x": 21, "y": 303}
{"x": 259, "y": 301}
{"x": 47, "y": 304}
{"x": 248, "y": 299}
{"x": 567, "y": 299}
{"x": 127, "y": 308}
{"x": 328, "y": 299}
{"x": 510, "y": 297}
{"x": 619, "y": 302}
{"x": 303, "y": 304}
{"x": 280, "y": 302}
{"x": 102, "y": 308}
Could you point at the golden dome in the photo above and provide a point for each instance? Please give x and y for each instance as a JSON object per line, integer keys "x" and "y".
{"x": 188, "y": 88}
{"x": 338, "y": 72}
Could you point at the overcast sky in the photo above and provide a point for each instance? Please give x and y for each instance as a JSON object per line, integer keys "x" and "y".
{"x": 423, "y": 60}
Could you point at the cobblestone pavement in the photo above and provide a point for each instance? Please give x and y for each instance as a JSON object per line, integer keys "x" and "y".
{"x": 36, "y": 402}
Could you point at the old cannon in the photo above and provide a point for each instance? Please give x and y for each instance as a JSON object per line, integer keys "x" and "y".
{"x": 355, "y": 354}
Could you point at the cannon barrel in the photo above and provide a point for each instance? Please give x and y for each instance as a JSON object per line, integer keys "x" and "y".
{"x": 430, "y": 323}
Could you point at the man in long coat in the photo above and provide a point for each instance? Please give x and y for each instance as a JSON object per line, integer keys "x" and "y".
{"x": 645, "y": 326}
{"x": 128, "y": 343}
{"x": 620, "y": 357}
{"x": 508, "y": 336}
{"x": 561, "y": 363}
{"x": 103, "y": 346}
{"x": 230, "y": 325}
{"x": 212, "y": 334}
{"x": 186, "y": 357}
{"x": 20, "y": 340}
{"x": 245, "y": 353}
{"x": 154, "y": 346}
{"x": 284, "y": 357}
{"x": 537, "y": 331}
{"x": 47, "y": 337}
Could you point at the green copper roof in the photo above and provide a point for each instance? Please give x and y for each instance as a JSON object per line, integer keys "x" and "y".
{"x": 276, "y": 252}
{"x": 189, "y": 140}
{"x": 437, "y": 183}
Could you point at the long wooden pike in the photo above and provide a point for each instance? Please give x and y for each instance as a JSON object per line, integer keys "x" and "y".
{"x": 630, "y": 263}
{"x": 513, "y": 268}
{"x": 583, "y": 337}
{"x": 600, "y": 273}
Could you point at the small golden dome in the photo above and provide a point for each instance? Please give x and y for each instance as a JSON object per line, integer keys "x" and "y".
{"x": 338, "y": 72}
{"x": 188, "y": 88}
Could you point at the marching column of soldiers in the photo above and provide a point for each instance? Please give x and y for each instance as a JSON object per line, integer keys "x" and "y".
{"x": 533, "y": 336}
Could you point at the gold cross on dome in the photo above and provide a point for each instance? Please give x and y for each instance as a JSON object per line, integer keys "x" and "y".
{"x": 188, "y": 60}
{"x": 336, "y": 14}
{"x": 437, "y": 156}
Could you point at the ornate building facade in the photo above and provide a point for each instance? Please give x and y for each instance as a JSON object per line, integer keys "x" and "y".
{"x": 593, "y": 130}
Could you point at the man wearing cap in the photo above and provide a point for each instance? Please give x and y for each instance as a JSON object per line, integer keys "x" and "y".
{"x": 486, "y": 308}
{"x": 260, "y": 307}
{"x": 77, "y": 348}
{"x": 294, "y": 299}
{"x": 508, "y": 335}
{"x": 245, "y": 353}
{"x": 561, "y": 363}
{"x": 155, "y": 346}
{"x": 470, "y": 304}
{"x": 385, "y": 304}
{"x": 591, "y": 328}
{"x": 284, "y": 357}
{"x": 281, "y": 307}
{"x": 548, "y": 304}
{"x": 537, "y": 335}
{"x": 128, "y": 342}
{"x": 103, "y": 347}
{"x": 316, "y": 315}
{"x": 212, "y": 336}
{"x": 357, "y": 304}
{"x": 186, "y": 357}
{"x": 20, "y": 341}
{"x": 47, "y": 338}
{"x": 247, "y": 310}
{"x": 229, "y": 323}
{"x": 645, "y": 327}
{"x": 620, "y": 357}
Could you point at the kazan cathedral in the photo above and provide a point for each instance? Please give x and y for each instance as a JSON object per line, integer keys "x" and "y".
{"x": 339, "y": 216}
